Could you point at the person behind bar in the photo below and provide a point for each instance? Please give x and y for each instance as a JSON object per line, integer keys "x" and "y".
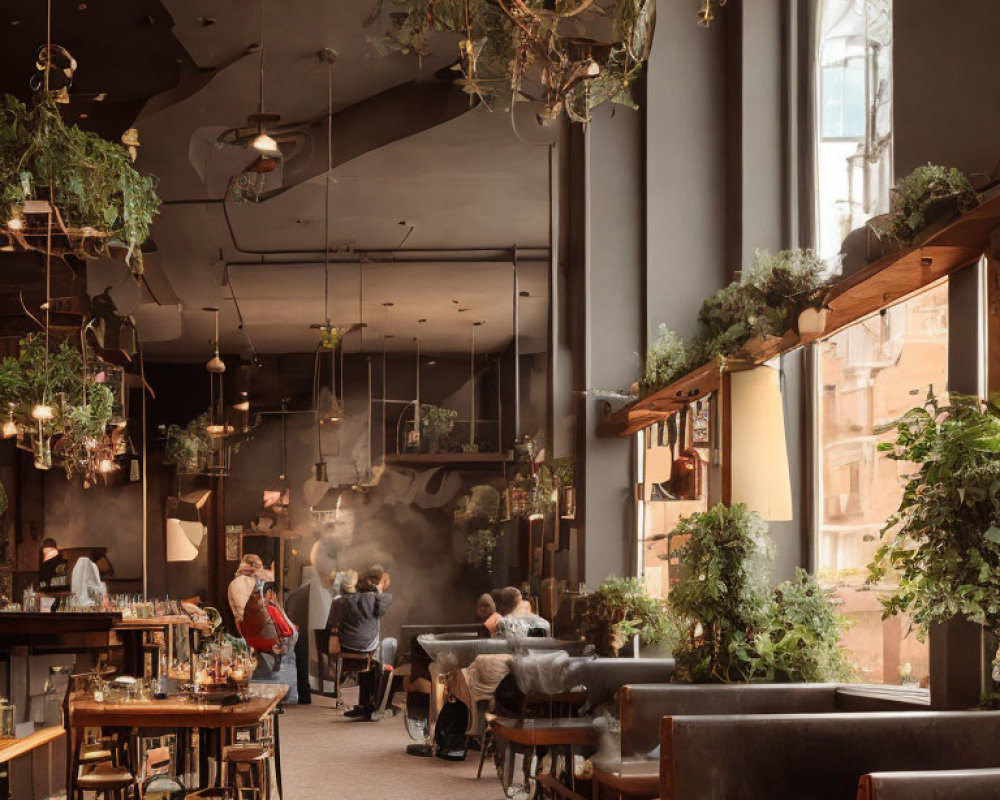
{"x": 353, "y": 626}
{"x": 53, "y": 574}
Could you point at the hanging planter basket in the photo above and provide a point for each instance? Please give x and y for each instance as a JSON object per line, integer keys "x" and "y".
{"x": 33, "y": 233}
{"x": 66, "y": 191}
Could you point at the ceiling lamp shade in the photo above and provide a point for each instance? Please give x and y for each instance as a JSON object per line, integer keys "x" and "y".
{"x": 183, "y": 539}
{"x": 760, "y": 472}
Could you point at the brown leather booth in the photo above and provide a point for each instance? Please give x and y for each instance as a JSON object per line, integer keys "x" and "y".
{"x": 642, "y": 707}
{"x": 944, "y": 784}
{"x": 815, "y": 756}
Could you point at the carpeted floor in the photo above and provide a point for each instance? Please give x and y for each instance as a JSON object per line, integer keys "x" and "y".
{"x": 324, "y": 755}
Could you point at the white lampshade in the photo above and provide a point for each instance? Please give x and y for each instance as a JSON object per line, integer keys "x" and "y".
{"x": 183, "y": 539}
{"x": 760, "y": 473}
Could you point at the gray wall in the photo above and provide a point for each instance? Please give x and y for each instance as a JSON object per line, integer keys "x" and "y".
{"x": 947, "y": 78}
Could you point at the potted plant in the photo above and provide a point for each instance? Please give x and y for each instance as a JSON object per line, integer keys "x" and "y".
{"x": 621, "y": 610}
{"x": 97, "y": 196}
{"x": 735, "y": 627}
{"x": 437, "y": 424}
{"x": 943, "y": 543}
{"x": 929, "y": 194}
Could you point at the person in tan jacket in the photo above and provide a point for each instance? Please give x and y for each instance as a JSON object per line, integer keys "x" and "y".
{"x": 243, "y": 585}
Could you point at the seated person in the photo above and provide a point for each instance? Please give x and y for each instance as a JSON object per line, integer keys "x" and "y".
{"x": 486, "y": 610}
{"x": 353, "y": 626}
{"x": 518, "y": 620}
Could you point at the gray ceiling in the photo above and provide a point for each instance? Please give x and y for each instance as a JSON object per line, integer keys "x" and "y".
{"x": 469, "y": 183}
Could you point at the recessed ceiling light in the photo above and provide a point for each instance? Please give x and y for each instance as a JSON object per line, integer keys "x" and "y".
{"x": 431, "y": 363}
{"x": 100, "y": 97}
{"x": 422, "y": 320}
{"x": 462, "y": 310}
{"x": 525, "y": 294}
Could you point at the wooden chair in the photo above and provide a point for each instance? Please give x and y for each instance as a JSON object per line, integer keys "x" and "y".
{"x": 106, "y": 775}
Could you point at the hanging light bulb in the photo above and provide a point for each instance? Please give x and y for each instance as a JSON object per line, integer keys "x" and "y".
{"x": 107, "y": 466}
{"x": 264, "y": 143}
{"x": 16, "y": 222}
{"x": 42, "y": 412}
{"x": 10, "y": 427}
{"x": 215, "y": 364}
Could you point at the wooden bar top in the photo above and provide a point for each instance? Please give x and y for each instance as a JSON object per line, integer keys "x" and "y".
{"x": 22, "y": 623}
{"x": 176, "y": 712}
{"x": 155, "y": 623}
{"x": 12, "y": 748}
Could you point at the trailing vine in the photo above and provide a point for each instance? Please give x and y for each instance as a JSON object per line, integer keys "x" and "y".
{"x": 97, "y": 191}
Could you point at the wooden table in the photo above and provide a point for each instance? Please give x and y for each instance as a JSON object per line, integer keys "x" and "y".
{"x": 520, "y": 738}
{"x": 179, "y": 712}
{"x": 11, "y": 748}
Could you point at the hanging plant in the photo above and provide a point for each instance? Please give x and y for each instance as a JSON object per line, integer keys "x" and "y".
{"x": 97, "y": 197}
{"x": 75, "y": 433}
{"x": 189, "y": 447}
{"x": 927, "y": 193}
{"x": 570, "y": 56}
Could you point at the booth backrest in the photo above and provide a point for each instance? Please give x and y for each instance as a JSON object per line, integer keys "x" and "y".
{"x": 944, "y": 784}
{"x": 603, "y": 677}
{"x": 815, "y": 756}
{"x": 408, "y": 635}
{"x": 642, "y": 707}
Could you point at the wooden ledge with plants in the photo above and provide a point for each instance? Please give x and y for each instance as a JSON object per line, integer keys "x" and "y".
{"x": 789, "y": 298}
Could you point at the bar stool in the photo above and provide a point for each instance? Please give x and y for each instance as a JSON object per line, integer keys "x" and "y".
{"x": 106, "y": 781}
{"x": 252, "y": 760}
{"x": 348, "y": 663}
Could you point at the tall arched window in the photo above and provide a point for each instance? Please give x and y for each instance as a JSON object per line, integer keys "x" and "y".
{"x": 853, "y": 117}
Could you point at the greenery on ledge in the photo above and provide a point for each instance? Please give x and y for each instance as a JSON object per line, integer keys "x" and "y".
{"x": 93, "y": 183}
{"x": 916, "y": 195}
{"x": 764, "y": 302}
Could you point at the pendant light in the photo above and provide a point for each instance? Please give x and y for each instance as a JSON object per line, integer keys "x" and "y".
{"x": 331, "y": 411}
{"x": 10, "y": 426}
{"x": 217, "y": 426}
{"x": 263, "y": 143}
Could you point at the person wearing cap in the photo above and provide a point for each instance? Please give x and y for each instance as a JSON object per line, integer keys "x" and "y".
{"x": 353, "y": 626}
{"x": 53, "y": 574}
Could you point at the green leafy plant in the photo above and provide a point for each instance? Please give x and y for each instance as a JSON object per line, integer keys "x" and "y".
{"x": 735, "y": 627}
{"x": 537, "y": 51}
{"x": 620, "y": 609}
{"x": 667, "y": 359}
{"x": 437, "y": 424}
{"x": 801, "y": 639}
{"x": 915, "y": 194}
{"x": 188, "y": 447}
{"x": 765, "y": 301}
{"x": 943, "y": 542}
{"x": 91, "y": 180}
{"x": 82, "y": 408}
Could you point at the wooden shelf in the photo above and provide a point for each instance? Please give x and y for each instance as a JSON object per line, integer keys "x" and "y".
{"x": 936, "y": 254}
{"x": 448, "y": 459}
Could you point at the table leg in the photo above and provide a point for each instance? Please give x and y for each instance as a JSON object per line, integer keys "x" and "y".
{"x": 277, "y": 753}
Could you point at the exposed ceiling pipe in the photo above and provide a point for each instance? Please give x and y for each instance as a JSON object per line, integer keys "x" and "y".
{"x": 539, "y": 255}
